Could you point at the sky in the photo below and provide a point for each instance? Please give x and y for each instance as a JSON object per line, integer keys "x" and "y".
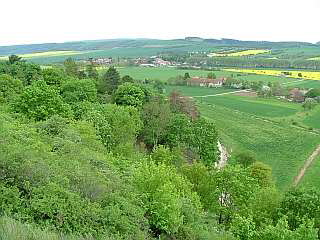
{"x": 42, "y": 21}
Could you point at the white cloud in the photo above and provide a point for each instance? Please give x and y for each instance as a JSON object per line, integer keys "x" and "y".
{"x": 36, "y": 21}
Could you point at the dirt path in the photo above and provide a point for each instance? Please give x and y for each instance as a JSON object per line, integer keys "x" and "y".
{"x": 306, "y": 165}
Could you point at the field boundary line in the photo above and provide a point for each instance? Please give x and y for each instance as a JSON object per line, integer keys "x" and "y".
{"x": 306, "y": 165}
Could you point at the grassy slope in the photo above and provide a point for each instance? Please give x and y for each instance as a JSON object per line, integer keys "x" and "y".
{"x": 313, "y": 119}
{"x": 284, "y": 148}
{"x": 312, "y": 176}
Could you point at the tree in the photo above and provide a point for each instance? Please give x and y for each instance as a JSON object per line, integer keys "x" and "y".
{"x": 14, "y": 58}
{"x": 9, "y": 87}
{"x": 211, "y": 75}
{"x": 204, "y": 140}
{"x": 233, "y": 188}
{"x": 92, "y": 71}
{"x": 264, "y": 206}
{"x": 79, "y": 90}
{"x": 110, "y": 81}
{"x": 53, "y": 76}
{"x": 116, "y": 125}
{"x": 183, "y": 104}
{"x": 40, "y": 101}
{"x": 186, "y": 76}
{"x": 169, "y": 202}
{"x": 309, "y": 104}
{"x": 129, "y": 94}
{"x": 298, "y": 204}
{"x": 156, "y": 116}
{"x": 262, "y": 173}
{"x": 245, "y": 158}
{"x": 127, "y": 78}
{"x": 71, "y": 67}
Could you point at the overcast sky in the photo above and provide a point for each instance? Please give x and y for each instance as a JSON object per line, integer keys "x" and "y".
{"x": 39, "y": 21}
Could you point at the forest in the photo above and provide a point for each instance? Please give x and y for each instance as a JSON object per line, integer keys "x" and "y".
{"x": 89, "y": 156}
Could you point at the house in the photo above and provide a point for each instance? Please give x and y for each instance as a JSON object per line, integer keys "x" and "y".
{"x": 161, "y": 62}
{"x": 297, "y": 95}
{"x": 101, "y": 61}
{"x": 206, "y": 82}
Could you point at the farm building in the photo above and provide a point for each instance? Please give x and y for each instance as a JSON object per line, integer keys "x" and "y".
{"x": 206, "y": 82}
{"x": 297, "y": 95}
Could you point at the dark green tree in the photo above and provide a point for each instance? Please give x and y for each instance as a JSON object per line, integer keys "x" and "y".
{"x": 110, "y": 81}
{"x": 127, "y": 78}
{"x": 14, "y": 58}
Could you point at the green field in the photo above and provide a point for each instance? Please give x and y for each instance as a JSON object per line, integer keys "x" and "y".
{"x": 257, "y": 106}
{"x": 283, "y": 147}
{"x": 196, "y": 91}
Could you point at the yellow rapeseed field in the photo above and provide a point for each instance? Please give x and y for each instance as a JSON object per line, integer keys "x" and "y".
{"x": 240, "y": 53}
{"x": 294, "y": 74}
{"x": 45, "y": 54}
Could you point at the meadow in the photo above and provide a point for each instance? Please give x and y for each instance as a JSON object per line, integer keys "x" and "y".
{"x": 240, "y": 53}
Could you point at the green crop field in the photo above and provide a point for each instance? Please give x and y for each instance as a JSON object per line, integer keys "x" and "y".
{"x": 283, "y": 147}
{"x": 196, "y": 91}
{"x": 165, "y": 73}
{"x": 257, "y": 106}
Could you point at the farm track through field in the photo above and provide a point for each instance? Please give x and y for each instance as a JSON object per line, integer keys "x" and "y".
{"x": 306, "y": 165}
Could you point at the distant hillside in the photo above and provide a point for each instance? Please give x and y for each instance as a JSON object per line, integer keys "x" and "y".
{"x": 150, "y": 43}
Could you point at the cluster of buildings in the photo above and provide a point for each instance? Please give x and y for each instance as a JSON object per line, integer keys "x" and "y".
{"x": 152, "y": 62}
{"x": 206, "y": 82}
{"x": 101, "y": 61}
